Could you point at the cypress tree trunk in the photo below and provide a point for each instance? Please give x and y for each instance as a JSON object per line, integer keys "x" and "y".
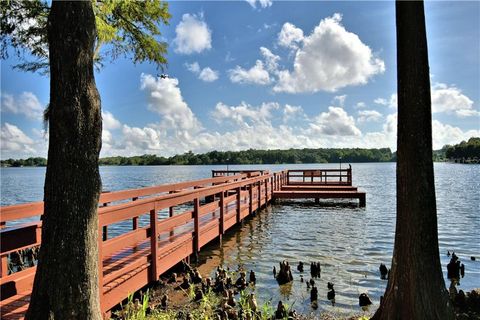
{"x": 66, "y": 282}
{"x": 416, "y": 288}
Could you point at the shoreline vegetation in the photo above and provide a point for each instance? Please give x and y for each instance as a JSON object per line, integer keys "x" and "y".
{"x": 464, "y": 152}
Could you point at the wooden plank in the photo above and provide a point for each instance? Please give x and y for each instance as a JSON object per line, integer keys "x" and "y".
{"x": 125, "y": 240}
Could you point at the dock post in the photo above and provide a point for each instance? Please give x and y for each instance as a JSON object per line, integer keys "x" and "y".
{"x": 250, "y": 200}
{"x": 363, "y": 200}
{"x": 266, "y": 191}
{"x": 271, "y": 188}
{"x": 100, "y": 267}
{"x": 196, "y": 227}
{"x": 170, "y": 214}
{"x": 259, "y": 195}
{"x": 239, "y": 203}
{"x": 104, "y": 228}
{"x": 135, "y": 220}
{"x": 222, "y": 215}
{"x": 154, "y": 244}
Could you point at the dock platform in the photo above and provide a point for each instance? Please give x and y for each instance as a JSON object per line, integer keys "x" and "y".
{"x": 169, "y": 223}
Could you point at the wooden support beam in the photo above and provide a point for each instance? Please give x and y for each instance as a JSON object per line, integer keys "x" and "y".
{"x": 239, "y": 203}
{"x": 250, "y": 198}
{"x": 196, "y": 227}
{"x": 135, "y": 219}
{"x": 154, "y": 245}
{"x": 222, "y": 213}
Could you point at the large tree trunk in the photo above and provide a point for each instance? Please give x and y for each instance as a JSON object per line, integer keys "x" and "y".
{"x": 416, "y": 288}
{"x": 66, "y": 283}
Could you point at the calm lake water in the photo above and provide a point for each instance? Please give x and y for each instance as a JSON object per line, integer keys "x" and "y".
{"x": 349, "y": 242}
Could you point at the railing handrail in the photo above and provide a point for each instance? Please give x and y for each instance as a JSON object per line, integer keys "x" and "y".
{"x": 32, "y": 209}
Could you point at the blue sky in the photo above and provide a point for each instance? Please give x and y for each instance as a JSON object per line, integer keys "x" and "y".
{"x": 262, "y": 74}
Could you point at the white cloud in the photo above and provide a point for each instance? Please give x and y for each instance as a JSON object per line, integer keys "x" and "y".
{"x": 445, "y": 99}
{"x": 193, "y": 67}
{"x": 446, "y": 134}
{"x": 369, "y": 116}
{"x": 109, "y": 121}
{"x": 329, "y": 59}
{"x": 340, "y": 100}
{"x": 244, "y": 114}
{"x": 360, "y": 105}
{"x": 451, "y": 100}
{"x": 262, "y": 3}
{"x": 165, "y": 98}
{"x": 26, "y": 104}
{"x": 381, "y": 101}
{"x": 205, "y": 74}
{"x": 335, "y": 122}
{"x": 290, "y": 36}
{"x": 192, "y": 35}
{"x": 208, "y": 75}
{"x": 255, "y": 75}
{"x": 290, "y": 112}
{"x": 271, "y": 60}
{"x": 14, "y": 143}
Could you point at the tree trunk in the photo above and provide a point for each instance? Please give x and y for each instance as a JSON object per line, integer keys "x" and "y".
{"x": 416, "y": 288}
{"x": 66, "y": 283}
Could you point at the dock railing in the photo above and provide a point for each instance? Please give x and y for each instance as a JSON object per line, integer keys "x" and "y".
{"x": 320, "y": 176}
{"x": 170, "y": 223}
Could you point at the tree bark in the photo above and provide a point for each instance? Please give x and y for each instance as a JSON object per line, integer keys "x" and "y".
{"x": 416, "y": 288}
{"x": 66, "y": 282}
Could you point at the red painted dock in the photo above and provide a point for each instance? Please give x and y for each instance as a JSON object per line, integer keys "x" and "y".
{"x": 169, "y": 223}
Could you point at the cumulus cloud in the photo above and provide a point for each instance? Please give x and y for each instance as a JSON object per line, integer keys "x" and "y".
{"x": 262, "y": 3}
{"x": 14, "y": 143}
{"x": 329, "y": 58}
{"x": 206, "y": 74}
{"x": 290, "y": 36}
{"x": 340, "y": 100}
{"x": 335, "y": 122}
{"x": 26, "y": 104}
{"x": 244, "y": 114}
{"x": 445, "y": 99}
{"x": 360, "y": 105}
{"x": 443, "y": 134}
{"x": 192, "y": 35}
{"x": 290, "y": 112}
{"x": 451, "y": 100}
{"x": 255, "y": 75}
{"x": 369, "y": 116}
{"x": 271, "y": 60}
{"x": 165, "y": 98}
{"x": 109, "y": 121}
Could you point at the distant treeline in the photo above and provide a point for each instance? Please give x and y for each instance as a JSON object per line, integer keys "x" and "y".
{"x": 463, "y": 150}
{"x": 258, "y": 157}
{"x": 236, "y": 157}
{"x": 30, "y": 162}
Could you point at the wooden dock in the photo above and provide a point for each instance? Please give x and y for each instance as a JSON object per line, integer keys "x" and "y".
{"x": 169, "y": 223}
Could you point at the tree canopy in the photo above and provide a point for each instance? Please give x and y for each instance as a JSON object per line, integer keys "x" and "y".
{"x": 124, "y": 28}
{"x": 464, "y": 150}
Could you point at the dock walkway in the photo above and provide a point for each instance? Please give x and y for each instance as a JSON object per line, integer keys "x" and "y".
{"x": 169, "y": 223}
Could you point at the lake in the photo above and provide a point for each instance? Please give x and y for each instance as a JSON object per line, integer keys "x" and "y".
{"x": 349, "y": 242}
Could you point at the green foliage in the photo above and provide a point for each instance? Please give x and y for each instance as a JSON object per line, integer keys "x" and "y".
{"x": 30, "y": 162}
{"x": 250, "y": 157}
{"x": 124, "y": 28}
{"x": 258, "y": 157}
{"x": 464, "y": 150}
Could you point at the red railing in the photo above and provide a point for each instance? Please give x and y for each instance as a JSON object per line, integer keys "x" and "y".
{"x": 130, "y": 259}
{"x": 320, "y": 176}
